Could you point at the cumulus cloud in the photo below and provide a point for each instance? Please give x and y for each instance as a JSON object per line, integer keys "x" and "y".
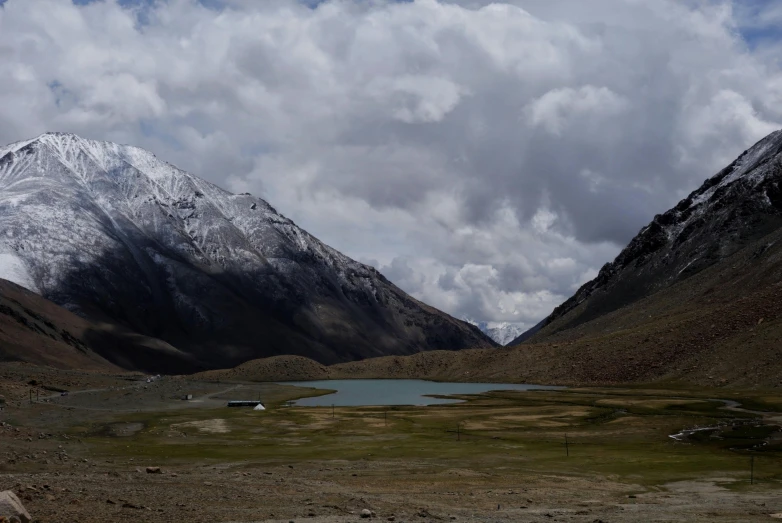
{"x": 488, "y": 157}
{"x": 559, "y": 108}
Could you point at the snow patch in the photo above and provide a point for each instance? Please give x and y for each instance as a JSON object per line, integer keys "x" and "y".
{"x": 501, "y": 332}
{"x": 13, "y": 268}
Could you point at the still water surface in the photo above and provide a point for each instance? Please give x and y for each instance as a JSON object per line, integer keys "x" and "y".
{"x": 356, "y": 393}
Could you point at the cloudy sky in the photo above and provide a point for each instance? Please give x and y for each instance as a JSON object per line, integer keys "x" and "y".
{"x": 487, "y": 157}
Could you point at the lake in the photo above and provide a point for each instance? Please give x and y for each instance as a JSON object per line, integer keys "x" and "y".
{"x": 357, "y": 393}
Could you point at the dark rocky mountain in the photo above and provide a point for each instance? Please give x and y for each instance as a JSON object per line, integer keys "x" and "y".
{"x": 116, "y": 235}
{"x": 735, "y": 208}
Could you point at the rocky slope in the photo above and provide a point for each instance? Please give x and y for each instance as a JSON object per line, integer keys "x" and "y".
{"x": 35, "y": 330}
{"x": 738, "y": 206}
{"x": 116, "y": 235}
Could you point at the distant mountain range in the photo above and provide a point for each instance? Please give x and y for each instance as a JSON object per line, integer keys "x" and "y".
{"x": 120, "y": 237}
{"x": 501, "y": 332}
{"x": 172, "y": 271}
{"x": 695, "y": 298}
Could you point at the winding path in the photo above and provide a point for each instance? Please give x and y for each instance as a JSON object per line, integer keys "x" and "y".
{"x": 200, "y": 399}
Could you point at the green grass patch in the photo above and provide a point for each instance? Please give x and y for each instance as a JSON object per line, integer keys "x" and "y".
{"x": 622, "y": 435}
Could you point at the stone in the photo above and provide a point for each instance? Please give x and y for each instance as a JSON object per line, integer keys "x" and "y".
{"x": 154, "y": 470}
{"x": 366, "y": 513}
{"x": 11, "y": 507}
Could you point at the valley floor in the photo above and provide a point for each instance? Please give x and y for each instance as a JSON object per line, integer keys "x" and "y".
{"x": 499, "y": 456}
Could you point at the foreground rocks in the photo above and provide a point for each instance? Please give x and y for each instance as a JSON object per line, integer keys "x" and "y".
{"x": 12, "y": 509}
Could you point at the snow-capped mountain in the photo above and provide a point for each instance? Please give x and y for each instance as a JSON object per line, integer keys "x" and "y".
{"x": 114, "y": 233}
{"x": 501, "y": 332}
{"x": 739, "y": 205}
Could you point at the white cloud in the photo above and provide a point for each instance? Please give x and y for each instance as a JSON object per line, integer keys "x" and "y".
{"x": 559, "y": 107}
{"x": 489, "y": 156}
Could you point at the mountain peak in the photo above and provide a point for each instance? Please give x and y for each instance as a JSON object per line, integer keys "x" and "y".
{"x": 111, "y": 231}
{"x": 60, "y": 139}
{"x": 500, "y": 332}
{"x": 58, "y": 133}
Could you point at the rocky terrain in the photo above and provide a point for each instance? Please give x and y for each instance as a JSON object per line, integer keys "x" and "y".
{"x": 118, "y": 236}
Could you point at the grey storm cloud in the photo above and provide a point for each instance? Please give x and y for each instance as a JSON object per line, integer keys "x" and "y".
{"x": 488, "y": 157}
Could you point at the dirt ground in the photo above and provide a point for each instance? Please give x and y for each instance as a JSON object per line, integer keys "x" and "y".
{"x": 84, "y": 457}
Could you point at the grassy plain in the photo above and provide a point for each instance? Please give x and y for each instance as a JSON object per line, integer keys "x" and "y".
{"x": 499, "y": 456}
{"x": 617, "y": 433}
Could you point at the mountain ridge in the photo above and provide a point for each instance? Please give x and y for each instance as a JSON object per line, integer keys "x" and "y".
{"x": 739, "y": 204}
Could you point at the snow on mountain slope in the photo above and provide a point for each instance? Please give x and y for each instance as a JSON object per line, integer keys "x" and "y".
{"x": 501, "y": 332}
{"x": 112, "y": 232}
{"x": 739, "y": 205}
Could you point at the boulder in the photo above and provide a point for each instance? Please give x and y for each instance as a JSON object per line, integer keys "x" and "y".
{"x": 11, "y": 507}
